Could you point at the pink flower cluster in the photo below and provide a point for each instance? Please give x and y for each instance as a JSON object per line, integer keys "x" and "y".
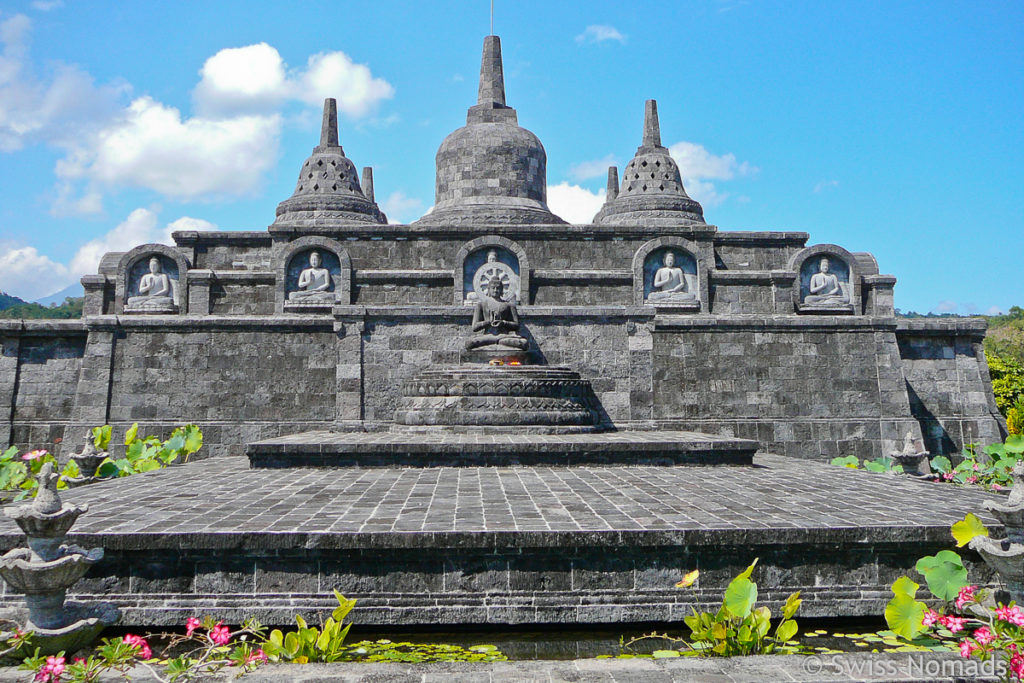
{"x": 52, "y": 670}
{"x": 34, "y": 455}
{"x": 1014, "y": 615}
{"x": 191, "y": 624}
{"x": 1017, "y": 666}
{"x": 257, "y": 657}
{"x": 220, "y": 634}
{"x": 965, "y": 596}
{"x": 140, "y": 643}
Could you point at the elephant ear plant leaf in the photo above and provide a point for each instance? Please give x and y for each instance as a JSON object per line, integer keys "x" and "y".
{"x": 739, "y": 627}
{"x": 966, "y": 529}
{"x": 945, "y": 574}
{"x": 904, "y": 614}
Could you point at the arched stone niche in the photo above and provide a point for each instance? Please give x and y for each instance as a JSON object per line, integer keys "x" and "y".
{"x": 134, "y": 266}
{"x": 295, "y": 257}
{"x": 652, "y": 257}
{"x": 827, "y": 261}
{"x": 491, "y": 256}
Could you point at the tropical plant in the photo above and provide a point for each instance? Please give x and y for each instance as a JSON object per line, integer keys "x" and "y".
{"x": 737, "y": 628}
{"x": 883, "y": 464}
{"x": 991, "y": 468}
{"x": 20, "y": 472}
{"x": 310, "y": 644}
{"x": 144, "y": 454}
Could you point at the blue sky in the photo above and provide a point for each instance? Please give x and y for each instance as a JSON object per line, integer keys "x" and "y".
{"x": 890, "y": 127}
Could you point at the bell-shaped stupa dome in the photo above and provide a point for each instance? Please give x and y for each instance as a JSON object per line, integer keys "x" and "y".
{"x": 491, "y": 171}
{"x": 652, "y": 190}
{"x": 328, "y": 191}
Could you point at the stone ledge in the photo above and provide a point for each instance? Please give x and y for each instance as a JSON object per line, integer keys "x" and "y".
{"x": 942, "y": 326}
{"x": 463, "y": 312}
{"x": 18, "y": 327}
{"x": 736, "y": 277}
{"x": 624, "y": 277}
{"x": 206, "y": 322}
{"x": 369, "y": 276}
{"x": 547, "y": 231}
{"x": 773, "y": 322}
{"x": 192, "y": 237}
{"x": 757, "y": 236}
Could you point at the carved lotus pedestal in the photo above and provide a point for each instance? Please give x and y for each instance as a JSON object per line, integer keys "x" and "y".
{"x": 528, "y": 398}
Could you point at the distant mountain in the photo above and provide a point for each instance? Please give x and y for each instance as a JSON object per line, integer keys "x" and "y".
{"x": 57, "y": 298}
{"x": 7, "y": 301}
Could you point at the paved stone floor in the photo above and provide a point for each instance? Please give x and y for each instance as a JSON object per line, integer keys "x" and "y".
{"x": 222, "y": 496}
{"x": 904, "y": 667}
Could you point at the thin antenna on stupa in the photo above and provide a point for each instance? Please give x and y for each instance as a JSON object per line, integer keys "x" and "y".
{"x": 492, "y": 18}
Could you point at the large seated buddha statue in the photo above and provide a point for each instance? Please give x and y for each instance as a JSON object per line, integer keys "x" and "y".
{"x": 825, "y": 288}
{"x": 495, "y": 322}
{"x": 156, "y": 291}
{"x": 669, "y": 284}
{"x": 314, "y": 282}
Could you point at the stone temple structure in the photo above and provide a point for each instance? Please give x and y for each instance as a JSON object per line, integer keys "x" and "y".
{"x": 505, "y": 409}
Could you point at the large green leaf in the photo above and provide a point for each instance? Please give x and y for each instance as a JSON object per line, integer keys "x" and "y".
{"x": 9, "y": 454}
{"x": 941, "y": 464}
{"x": 793, "y": 603}
{"x": 786, "y": 630}
{"x": 740, "y": 596}
{"x": 905, "y": 616}
{"x": 851, "y": 461}
{"x": 905, "y": 586}
{"x": 1015, "y": 444}
{"x": 101, "y": 437}
{"x": 944, "y": 573}
{"x": 967, "y": 528}
{"x": 131, "y": 434}
{"x": 193, "y": 438}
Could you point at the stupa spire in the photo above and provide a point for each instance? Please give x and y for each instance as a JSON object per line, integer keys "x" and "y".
{"x": 492, "y": 75}
{"x": 652, "y": 129}
{"x": 329, "y": 125}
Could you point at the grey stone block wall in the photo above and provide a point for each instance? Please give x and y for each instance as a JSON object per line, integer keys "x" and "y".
{"x": 242, "y": 298}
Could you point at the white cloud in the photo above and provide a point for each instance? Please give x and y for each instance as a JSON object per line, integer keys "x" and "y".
{"x": 598, "y": 33}
{"x": 237, "y": 80}
{"x": 63, "y": 106}
{"x": 947, "y": 307}
{"x": 698, "y": 166}
{"x": 26, "y": 273}
{"x": 401, "y": 208}
{"x": 152, "y": 146}
{"x": 994, "y": 310}
{"x": 88, "y": 203}
{"x": 255, "y": 80}
{"x": 334, "y": 74}
{"x": 47, "y": 5}
{"x": 825, "y": 185}
{"x": 585, "y": 170}
{"x": 574, "y": 203}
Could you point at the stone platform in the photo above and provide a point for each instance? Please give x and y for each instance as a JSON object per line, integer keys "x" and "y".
{"x": 437, "y": 449}
{"x": 502, "y": 545}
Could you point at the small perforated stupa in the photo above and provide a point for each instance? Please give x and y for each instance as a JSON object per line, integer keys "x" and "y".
{"x": 652, "y": 190}
{"x": 491, "y": 171}
{"x": 328, "y": 190}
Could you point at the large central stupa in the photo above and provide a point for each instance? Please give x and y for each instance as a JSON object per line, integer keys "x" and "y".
{"x": 491, "y": 171}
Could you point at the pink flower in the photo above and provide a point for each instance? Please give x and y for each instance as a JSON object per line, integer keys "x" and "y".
{"x": 34, "y": 455}
{"x": 954, "y": 624}
{"x": 965, "y": 596}
{"x": 140, "y": 643}
{"x": 1017, "y": 666}
{"x": 931, "y": 617}
{"x": 977, "y": 468}
{"x": 972, "y": 480}
{"x": 191, "y": 624}
{"x": 52, "y": 670}
{"x": 997, "y": 487}
{"x": 948, "y": 476}
{"x": 220, "y": 634}
{"x": 966, "y": 648}
{"x": 1014, "y": 615}
{"x": 984, "y": 636}
{"x": 258, "y": 656}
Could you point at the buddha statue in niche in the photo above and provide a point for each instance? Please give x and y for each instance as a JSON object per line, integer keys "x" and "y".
{"x": 825, "y": 288}
{"x": 156, "y": 290}
{"x": 669, "y": 285}
{"x": 495, "y": 322}
{"x": 314, "y": 282}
